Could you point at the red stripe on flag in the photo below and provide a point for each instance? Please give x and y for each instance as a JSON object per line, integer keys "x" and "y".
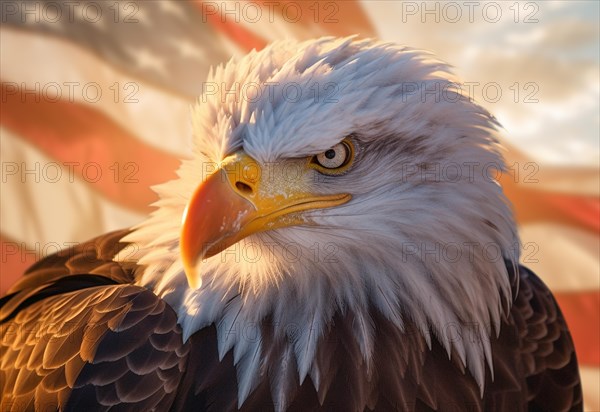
{"x": 582, "y": 312}
{"x": 534, "y": 205}
{"x": 14, "y": 260}
{"x": 216, "y": 14}
{"x": 585, "y": 210}
{"x": 90, "y": 145}
{"x": 337, "y": 18}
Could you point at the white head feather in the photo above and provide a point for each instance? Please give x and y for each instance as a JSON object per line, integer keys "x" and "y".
{"x": 425, "y": 236}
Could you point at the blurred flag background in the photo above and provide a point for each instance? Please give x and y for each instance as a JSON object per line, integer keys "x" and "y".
{"x": 96, "y": 96}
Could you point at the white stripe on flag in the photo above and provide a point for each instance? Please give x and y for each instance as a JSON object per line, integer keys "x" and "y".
{"x": 54, "y": 66}
{"x": 44, "y": 207}
{"x": 565, "y": 257}
{"x": 590, "y": 378}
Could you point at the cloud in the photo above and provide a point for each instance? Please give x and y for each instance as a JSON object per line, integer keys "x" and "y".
{"x": 570, "y": 33}
{"x": 555, "y": 78}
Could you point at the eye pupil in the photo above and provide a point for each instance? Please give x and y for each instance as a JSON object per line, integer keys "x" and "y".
{"x": 332, "y": 160}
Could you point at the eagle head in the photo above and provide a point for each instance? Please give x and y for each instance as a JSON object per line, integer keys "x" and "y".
{"x": 331, "y": 175}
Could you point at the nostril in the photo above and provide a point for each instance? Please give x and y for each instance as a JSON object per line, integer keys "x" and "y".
{"x": 243, "y": 187}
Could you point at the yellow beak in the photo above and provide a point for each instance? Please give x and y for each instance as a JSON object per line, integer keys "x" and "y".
{"x": 237, "y": 201}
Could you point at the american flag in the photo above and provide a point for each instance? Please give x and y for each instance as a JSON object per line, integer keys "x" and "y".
{"x": 95, "y": 110}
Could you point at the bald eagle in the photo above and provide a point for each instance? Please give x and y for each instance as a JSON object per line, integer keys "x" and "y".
{"x": 338, "y": 241}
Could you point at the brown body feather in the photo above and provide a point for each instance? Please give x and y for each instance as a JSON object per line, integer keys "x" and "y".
{"x": 76, "y": 334}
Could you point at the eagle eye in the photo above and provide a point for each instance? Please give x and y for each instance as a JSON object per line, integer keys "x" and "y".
{"x": 335, "y": 160}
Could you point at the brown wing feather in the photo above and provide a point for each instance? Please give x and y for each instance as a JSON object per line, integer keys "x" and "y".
{"x": 548, "y": 353}
{"x": 92, "y": 257}
{"x": 70, "y": 269}
{"x": 61, "y": 350}
{"x": 76, "y": 334}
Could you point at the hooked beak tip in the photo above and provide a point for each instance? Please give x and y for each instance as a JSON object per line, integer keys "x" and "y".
{"x": 191, "y": 275}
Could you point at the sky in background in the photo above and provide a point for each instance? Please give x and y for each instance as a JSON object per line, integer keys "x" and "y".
{"x": 543, "y": 56}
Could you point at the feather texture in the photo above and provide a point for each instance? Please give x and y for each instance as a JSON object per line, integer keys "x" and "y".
{"x": 142, "y": 362}
{"x": 407, "y": 297}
